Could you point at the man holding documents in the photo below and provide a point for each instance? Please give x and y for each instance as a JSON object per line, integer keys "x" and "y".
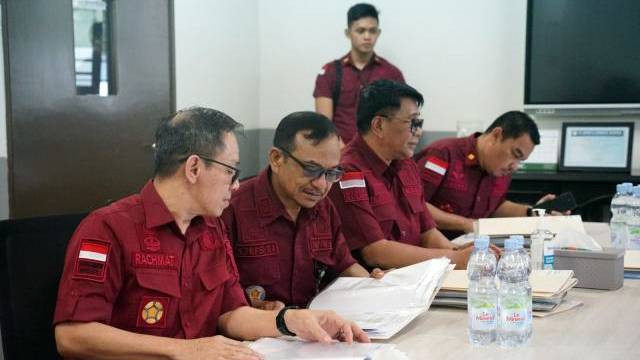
{"x": 385, "y": 220}
{"x": 468, "y": 178}
{"x": 284, "y": 231}
{"x": 153, "y": 276}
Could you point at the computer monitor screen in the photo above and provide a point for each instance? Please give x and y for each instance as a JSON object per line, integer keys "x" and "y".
{"x": 596, "y": 146}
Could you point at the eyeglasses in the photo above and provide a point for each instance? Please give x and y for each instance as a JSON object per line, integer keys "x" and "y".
{"x": 315, "y": 171}
{"x": 233, "y": 171}
{"x": 414, "y": 125}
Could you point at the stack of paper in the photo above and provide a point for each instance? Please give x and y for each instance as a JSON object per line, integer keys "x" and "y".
{"x": 632, "y": 264}
{"x": 385, "y": 306}
{"x": 527, "y": 225}
{"x": 549, "y": 289}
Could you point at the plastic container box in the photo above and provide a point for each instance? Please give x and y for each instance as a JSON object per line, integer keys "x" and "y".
{"x": 593, "y": 269}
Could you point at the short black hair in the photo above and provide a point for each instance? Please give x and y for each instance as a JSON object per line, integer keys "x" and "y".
{"x": 359, "y": 11}
{"x": 514, "y": 124}
{"x": 195, "y": 130}
{"x": 318, "y": 126}
{"x": 382, "y": 97}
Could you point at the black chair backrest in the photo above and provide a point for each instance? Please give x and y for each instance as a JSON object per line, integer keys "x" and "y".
{"x": 31, "y": 259}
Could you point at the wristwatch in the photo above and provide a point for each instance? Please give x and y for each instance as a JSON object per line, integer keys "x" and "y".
{"x": 281, "y": 325}
{"x": 529, "y": 211}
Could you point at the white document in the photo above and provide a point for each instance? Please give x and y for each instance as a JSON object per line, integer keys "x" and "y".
{"x": 527, "y": 225}
{"x": 280, "y": 349}
{"x": 383, "y": 307}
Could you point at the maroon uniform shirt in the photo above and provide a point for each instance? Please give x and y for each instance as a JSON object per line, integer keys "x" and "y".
{"x": 280, "y": 255}
{"x": 454, "y": 182}
{"x": 128, "y": 266}
{"x": 353, "y": 80}
{"x": 377, "y": 201}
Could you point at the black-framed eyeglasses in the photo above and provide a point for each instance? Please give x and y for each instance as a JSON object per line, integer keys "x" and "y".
{"x": 415, "y": 124}
{"x": 315, "y": 171}
{"x": 234, "y": 171}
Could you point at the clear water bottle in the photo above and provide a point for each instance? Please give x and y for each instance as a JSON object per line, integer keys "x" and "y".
{"x": 618, "y": 223}
{"x": 482, "y": 295}
{"x": 523, "y": 253}
{"x": 633, "y": 220}
{"x": 514, "y": 298}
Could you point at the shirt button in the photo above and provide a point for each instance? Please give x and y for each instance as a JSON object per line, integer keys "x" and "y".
{"x": 187, "y": 284}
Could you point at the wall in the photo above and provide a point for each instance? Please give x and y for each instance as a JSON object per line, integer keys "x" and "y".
{"x": 466, "y": 57}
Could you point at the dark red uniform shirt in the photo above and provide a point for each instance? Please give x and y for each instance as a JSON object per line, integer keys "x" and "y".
{"x": 278, "y": 254}
{"x": 377, "y": 201}
{"x": 128, "y": 266}
{"x": 454, "y": 182}
{"x": 352, "y": 81}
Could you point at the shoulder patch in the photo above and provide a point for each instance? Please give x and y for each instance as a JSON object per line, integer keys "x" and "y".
{"x": 352, "y": 180}
{"x": 91, "y": 261}
{"x": 436, "y": 165}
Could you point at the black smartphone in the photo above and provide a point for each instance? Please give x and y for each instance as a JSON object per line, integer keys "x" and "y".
{"x": 561, "y": 203}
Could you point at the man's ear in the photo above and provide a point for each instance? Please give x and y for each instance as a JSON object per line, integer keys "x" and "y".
{"x": 377, "y": 125}
{"x": 275, "y": 159}
{"x": 496, "y": 135}
{"x": 346, "y": 33}
{"x": 193, "y": 168}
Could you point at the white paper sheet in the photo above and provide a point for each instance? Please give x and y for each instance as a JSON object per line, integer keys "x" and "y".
{"x": 280, "y": 349}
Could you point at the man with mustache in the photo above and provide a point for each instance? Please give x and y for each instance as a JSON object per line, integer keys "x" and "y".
{"x": 385, "y": 219}
{"x": 152, "y": 275}
{"x": 468, "y": 178}
{"x": 284, "y": 231}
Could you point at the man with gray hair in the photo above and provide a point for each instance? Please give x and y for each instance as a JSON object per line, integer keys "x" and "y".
{"x": 153, "y": 275}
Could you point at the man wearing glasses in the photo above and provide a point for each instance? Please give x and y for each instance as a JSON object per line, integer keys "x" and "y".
{"x": 153, "y": 275}
{"x": 468, "y": 178}
{"x": 380, "y": 200}
{"x": 285, "y": 233}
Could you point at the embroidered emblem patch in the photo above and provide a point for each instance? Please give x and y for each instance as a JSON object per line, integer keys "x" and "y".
{"x": 92, "y": 259}
{"x": 152, "y": 312}
{"x": 256, "y": 293}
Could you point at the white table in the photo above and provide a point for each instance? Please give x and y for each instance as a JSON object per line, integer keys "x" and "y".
{"x": 607, "y": 326}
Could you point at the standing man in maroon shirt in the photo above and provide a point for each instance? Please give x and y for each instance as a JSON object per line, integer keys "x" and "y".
{"x": 385, "y": 219}
{"x": 340, "y": 81}
{"x": 153, "y": 275}
{"x": 468, "y": 178}
{"x": 284, "y": 231}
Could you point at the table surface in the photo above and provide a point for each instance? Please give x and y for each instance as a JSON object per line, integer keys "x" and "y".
{"x": 607, "y": 326}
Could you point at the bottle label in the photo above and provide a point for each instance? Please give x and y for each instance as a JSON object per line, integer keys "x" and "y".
{"x": 514, "y": 316}
{"x": 547, "y": 256}
{"x": 483, "y": 318}
{"x": 634, "y": 237}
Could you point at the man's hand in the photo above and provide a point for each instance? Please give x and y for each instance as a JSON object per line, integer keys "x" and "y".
{"x": 322, "y": 326}
{"x": 267, "y": 305}
{"x": 550, "y": 197}
{"x": 215, "y": 347}
{"x": 461, "y": 257}
{"x": 377, "y": 273}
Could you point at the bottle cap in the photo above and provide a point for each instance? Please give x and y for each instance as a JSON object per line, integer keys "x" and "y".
{"x": 481, "y": 242}
{"x": 510, "y": 244}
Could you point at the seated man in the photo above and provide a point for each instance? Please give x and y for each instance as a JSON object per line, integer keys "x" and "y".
{"x": 468, "y": 178}
{"x": 284, "y": 231}
{"x": 385, "y": 220}
{"x": 153, "y": 275}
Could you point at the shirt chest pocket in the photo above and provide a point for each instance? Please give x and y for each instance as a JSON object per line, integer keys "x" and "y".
{"x": 157, "y": 283}
{"x": 258, "y": 263}
{"x": 321, "y": 247}
{"x": 349, "y": 90}
{"x": 215, "y": 276}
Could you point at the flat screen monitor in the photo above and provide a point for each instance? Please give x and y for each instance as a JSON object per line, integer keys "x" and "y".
{"x": 596, "y": 146}
{"x": 583, "y": 54}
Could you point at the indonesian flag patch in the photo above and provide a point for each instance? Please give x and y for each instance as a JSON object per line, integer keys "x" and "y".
{"x": 92, "y": 259}
{"x": 436, "y": 165}
{"x": 352, "y": 180}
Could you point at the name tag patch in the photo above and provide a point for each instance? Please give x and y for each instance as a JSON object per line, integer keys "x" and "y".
{"x": 256, "y": 250}
{"x": 154, "y": 261}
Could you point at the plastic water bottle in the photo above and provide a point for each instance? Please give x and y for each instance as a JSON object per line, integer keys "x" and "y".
{"x": 633, "y": 220}
{"x": 482, "y": 295}
{"x": 541, "y": 250}
{"x": 523, "y": 253}
{"x": 618, "y": 224}
{"x": 514, "y": 298}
